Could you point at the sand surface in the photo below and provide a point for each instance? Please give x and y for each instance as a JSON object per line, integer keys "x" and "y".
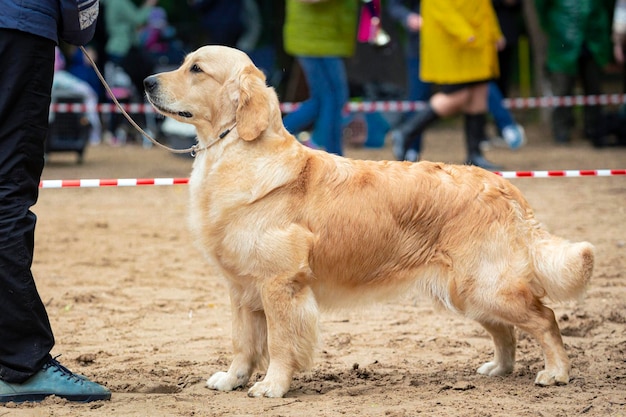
{"x": 135, "y": 307}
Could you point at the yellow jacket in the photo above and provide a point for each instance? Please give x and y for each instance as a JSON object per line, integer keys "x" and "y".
{"x": 447, "y": 56}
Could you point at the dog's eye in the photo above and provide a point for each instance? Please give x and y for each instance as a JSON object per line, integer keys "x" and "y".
{"x": 195, "y": 68}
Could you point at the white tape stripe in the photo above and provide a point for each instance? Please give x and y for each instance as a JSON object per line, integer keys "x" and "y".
{"x": 127, "y": 182}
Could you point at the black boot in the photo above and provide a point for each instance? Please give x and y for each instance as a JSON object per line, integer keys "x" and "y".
{"x": 474, "y": 134}
{"x": 401, "y": 136}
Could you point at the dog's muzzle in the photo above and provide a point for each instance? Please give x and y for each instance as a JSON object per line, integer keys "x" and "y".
{"x": 151, "y": 85}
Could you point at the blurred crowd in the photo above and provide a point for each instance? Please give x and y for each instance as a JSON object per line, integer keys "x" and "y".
{"x": 308, "y": 47}
{"x": 136, "y": 39}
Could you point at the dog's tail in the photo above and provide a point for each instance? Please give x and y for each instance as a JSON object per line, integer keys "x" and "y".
{"x": 563, "y": 268}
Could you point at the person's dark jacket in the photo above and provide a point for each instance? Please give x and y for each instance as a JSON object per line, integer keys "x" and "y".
{"x": 70, "y": 20}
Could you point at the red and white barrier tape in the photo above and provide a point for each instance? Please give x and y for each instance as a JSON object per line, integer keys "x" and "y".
{"x": 134, "y": 182}
{"x": 135, "y": 108}
{"x": 122, "y": 182}
{"x": 380, "y": 106}
{"x": 565, "y": 173}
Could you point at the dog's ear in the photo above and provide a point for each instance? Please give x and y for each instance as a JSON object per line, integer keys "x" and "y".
{"x": 253, "y": 112}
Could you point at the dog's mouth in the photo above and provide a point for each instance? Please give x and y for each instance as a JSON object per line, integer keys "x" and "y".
{"x": 166, "y": 110}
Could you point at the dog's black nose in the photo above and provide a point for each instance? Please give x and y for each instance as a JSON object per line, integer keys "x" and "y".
{"x": 150, "y": 83}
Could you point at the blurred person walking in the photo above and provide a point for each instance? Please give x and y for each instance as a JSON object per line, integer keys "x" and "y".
{"x": 222, "y": 21}
{"x": 128, "y": 63}
{"x": 29, "y": 32}
{"x": 508, "y": 14}
{"x": 123, "y": 20}
{"x": 407, "y": 14}
{"x": 320, "y": 35}
{"x": 458, "y": 53}
{"x": 579, "y": 44}
{"x": 508, "y": 130}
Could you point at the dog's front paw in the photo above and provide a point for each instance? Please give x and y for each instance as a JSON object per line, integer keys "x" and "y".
{"x": 546, "y": 378}
{"x": 224, "y": 381}
{"x": 494, "y": 369}
{"x": 268, "y": 389}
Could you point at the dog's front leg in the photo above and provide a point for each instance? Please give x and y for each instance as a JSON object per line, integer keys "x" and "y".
{"x": 292, "y": 320}
{"x": 249, "y": 335}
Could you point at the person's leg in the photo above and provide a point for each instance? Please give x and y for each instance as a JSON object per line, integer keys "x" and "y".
{"x": 512, "y": 133}
{"x": 501, "y": 115}
{"x": 476, "y": 101}
{"x": 562, "y": 117}
{"x": 340, "y": 96}
{"x": 475, "y": 122}
{"x": 332, "y": 91}
{"x": 439, "y": 105}
{"x": 27, "y": 371}
{"x": 505, "y": 62}
{"x": 25, "y": 334}
{"x": 450, "y": 104}
{"x": 305, "y": 115}
{"x": 591, "y": 74}
{"x": 418, "y": 91}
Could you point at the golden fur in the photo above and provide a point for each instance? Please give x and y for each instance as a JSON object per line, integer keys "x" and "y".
{"x": 294, "y": 230}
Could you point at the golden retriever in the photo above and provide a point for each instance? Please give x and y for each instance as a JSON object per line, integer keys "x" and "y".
{"x": 295, "y": 230}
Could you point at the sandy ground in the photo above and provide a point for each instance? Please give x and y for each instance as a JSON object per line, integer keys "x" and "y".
{"x": 135, "y": 307}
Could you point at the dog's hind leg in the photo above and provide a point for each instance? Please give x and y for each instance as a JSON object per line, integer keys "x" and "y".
{"x": 541, "y": 324}
{"x": 503, "y": 336}
{"x": 525, "y": 311}
{"x": 292, "y": 320}
{"x": 249, "y": 330}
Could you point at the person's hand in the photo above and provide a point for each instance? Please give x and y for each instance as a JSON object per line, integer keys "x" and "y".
{"x": 414, "y": 22}
{"x": 618, "y": 52}
{"x": 501, "y": 43}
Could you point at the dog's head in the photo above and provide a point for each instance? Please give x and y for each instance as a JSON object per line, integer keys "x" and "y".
{"x": 215, "y": 88}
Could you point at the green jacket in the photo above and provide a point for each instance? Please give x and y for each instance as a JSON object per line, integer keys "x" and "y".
{"x": 571, "y": 23}
{"x": 123, "y": 19}
{"x": 324, "y": 28}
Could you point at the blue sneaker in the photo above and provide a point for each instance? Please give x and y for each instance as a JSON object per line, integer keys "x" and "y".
{"x": 514, "y": 136}
{"x": 412, "y": 155}
{"x": 53, "y": 379}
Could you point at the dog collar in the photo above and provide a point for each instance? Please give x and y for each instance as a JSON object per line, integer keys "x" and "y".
{"x": 195, "y": 148}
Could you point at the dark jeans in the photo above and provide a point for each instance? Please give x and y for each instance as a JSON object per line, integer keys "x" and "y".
{"x": 26, "y": 72}
{"x": 563, "y": 85}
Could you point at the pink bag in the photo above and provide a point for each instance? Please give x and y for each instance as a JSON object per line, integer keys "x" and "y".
{"x": 370, "y": 29}
{"x": 365, "y": 24}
